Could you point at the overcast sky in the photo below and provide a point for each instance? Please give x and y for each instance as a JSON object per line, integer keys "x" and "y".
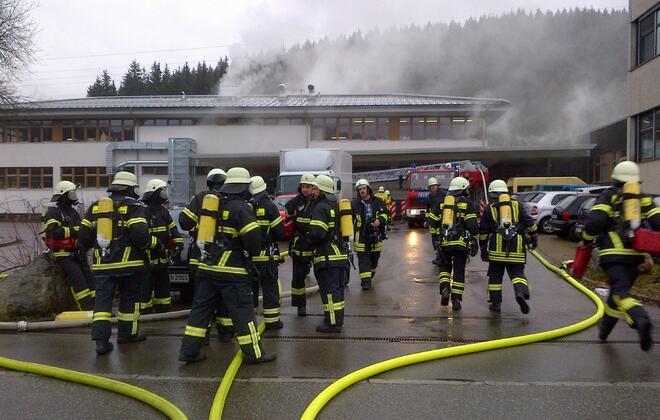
{"x": 77, "y": 39}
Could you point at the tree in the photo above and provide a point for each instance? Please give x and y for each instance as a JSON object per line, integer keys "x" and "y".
{"x": 16, "y": 44}
{"x": 155, "y": 79}
{"x": 103, "y": 86}
{"x": 133, "y": 83}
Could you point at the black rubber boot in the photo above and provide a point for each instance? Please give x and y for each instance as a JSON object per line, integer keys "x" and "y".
{"x": 103, "y": 347}
{"x": 644, "y": 330}
{"x": 366, "y": 284}
{"x": 191, "y": 359}
{"x": 265, "y": 358}
{"x": 495, "y": 307}
{"x": 444, "y": 292}
{"x": 325, "y": 328}
{"x": 274, "y": 325}
{"x": 131, "y": 339}
{"x": 302, "y": 310}
{"x": 456, "y": 305}
{"x": 605, "y": 327}
{"x": 524, "y": 307}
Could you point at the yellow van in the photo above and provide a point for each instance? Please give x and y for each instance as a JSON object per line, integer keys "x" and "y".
{"x": 527, "y": 183}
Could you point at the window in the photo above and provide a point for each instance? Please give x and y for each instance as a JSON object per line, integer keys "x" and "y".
{"x": 154, "y": 170}
{"x": 645, "y": 136}
{"x": 404, "y": 128}
{"x": 86, "y": 176}
{"x": 418, "y": 128}
{"x": 26, "y": 178}
{"x": 343, "y": 128}
{"x": 330, "y": 128}
{"x": 356, "y": 128}
{"x": 648, "y": 28}
{"x": 370, "y": 129}
{"x": 383, "y": 128}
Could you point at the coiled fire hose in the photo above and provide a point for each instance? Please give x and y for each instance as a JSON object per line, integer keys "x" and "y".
{"x": 341, "y": 384}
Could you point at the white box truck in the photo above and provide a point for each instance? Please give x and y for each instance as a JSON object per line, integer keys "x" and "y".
{"x": 335, "y": 163}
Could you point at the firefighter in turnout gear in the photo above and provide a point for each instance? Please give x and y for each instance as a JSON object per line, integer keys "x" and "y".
{"x": 61, "y": 223}
{"x": 369, "y": 218}
{"x": 228, "y": 237}
{"x": 330, "y": 258}
{"x": 612, "y": 223}
{"x": 503, "y": 241}
{"x": 116, "y": 228}
{"x": 268, "y": 259}
{"x": 189, "y": 221}
{"x": 435, "y": 197}
{"x": 301, "y": 251}
{"x": 155, "y": 293}
{"x": 455, "y": 220}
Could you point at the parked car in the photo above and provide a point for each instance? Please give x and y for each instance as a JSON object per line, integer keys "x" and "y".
{"x": 582, "y": 213}
{"x": 182, "y": 279}
{"x": 565, "y": 214}
{"x": 541, "y": 205}
{"x": 280, "y": 202}
{"x": 525, "y": 196}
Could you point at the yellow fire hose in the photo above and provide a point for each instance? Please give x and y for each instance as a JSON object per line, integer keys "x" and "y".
{"x": 223, "y": 390}
{"x": 336, "y": 387}
{"x": 131, "y": 391}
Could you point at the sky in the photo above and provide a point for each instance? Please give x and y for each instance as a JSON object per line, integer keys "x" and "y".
{"x": 77, "y": 39}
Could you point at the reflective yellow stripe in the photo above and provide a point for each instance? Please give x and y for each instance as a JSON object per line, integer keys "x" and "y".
{"x": 587, "y": 237}
{"x": 616, "y": 240}
{"x": 223, "y": 269}
{"x": 255, "y": 340}
{"x": 134, "y": 220}
{"x": 606, "y": 208}
{"x": 67, "y": 232}
{"x": 483, "y": 236}
{"x": 275, "y": 222}
{"x": 125, "y": 316}
{"x": 244, "y": 339}
{"x": 50, "y": 222}
{"x": 82, "y": 294}
{"x": 247, "y": 228}
{"x": 652, "y": 212}
{"x": 146, "y": 305}
{"x": 101, "y": 316}
{"x": 195, "y": 331}
{"x": 158, "y": 229}
{"x": 615, "y": 251}
{"x": 190, "y": 214}
{"x": 331, "y": 309}
{"x": 330, "y": 258}
{"x": 521, "y": 280}
{"x": 320, "y": 224}
{"x": 612, "y": 312}
{"x": 298, "y": 292}
{"x": 86, "y": 223}
{"x": 172, "y": 225}
{"x": 177, "y": 240}
{"x": 224, "y": 321}
{"x": 271, "y": 311}
{"x": 494, "y": 287}
{"x": 112, "y": 266}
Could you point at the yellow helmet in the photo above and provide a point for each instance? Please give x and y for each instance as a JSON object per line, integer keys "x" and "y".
{"x": 155, "y": 184}
{"x": 387, "y": 192}
{"x": 215, "y": 176}
{"x": 238, "y": 176}
{"x": 432, "y": 181}
{"x": 64, "y": 187}
{"x": 361, "y": 183}
{"x": 459, "y": 183}
{"x": 626, "y": 171}
{"x": 325, "y": 184}
{"x": 308, "y": 179}
{"x": 381, "y": 189}
{"x": 125, "y": 178}
{"x": 498, "y": 186}
{"x": 257, "y": 185}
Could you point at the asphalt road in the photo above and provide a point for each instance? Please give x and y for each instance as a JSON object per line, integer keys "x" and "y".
{"x": 573, "y": 377}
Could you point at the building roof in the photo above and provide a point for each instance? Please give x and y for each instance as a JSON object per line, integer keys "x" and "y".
{"x": 257, "y": 101}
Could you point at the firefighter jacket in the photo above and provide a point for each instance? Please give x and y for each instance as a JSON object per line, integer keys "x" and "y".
{"x": 501, "y": 249}
{"x": 464, "y": 224}
{"x": 433, "y": 201}
{"x": 272, "y": 228}
{"x": 605, "y": 223}
{"x": 130, "y": 236}
{"x": 237, "y": 239}
{"x": 164, "y": 229}
{"x": 324, "y": 234}
{"x": 61, "y": 223}
{"x": 368, "y": 238}
{"x": 300, "y": 209}
{"x": 189, "y": 221}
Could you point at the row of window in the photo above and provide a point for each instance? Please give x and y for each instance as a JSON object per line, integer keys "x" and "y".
{"x": 648, "y": 32}
{"x": 405, "y": 128}
{"x": 36, "y": 131}
{"x": 648, "y": 135}
{"x": 84, "y": 176}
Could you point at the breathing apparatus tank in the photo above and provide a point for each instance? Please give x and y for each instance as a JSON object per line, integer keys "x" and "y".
{"x": 631, "y": 208}
{"x": 448, "y": 212}
{"x": 345, "y": 218}
{"x": 506, "y": 228}
{"x": 207, "y": 224}
{"x": 104, "y": 225}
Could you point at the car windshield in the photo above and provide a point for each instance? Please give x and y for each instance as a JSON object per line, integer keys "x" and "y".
{"x": 280, "y": 202}
{"x": 524, "y": 197}
{"x": 588, "y": 204}
{"x": 289, "y": 184}
{"x": 537, "y": 198}
{"x": 566, "y": 201}
{"x": 419, "y": 180}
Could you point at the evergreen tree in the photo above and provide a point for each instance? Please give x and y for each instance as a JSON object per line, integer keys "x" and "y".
{"x": 133, "y": 82}
{"x": 154, "y": 82}
{"x": 103, "y": 86}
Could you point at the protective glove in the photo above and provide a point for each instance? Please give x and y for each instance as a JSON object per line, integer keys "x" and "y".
{"x": 533, "y": 241}
{"x": 176, "y": 252}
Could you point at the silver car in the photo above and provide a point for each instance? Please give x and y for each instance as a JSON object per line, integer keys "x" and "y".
{"x": 541, "y": 205}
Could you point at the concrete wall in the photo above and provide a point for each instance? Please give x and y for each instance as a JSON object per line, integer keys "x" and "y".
{"x": 644, "y": 87}
{"x": 650, "y": 172}
{"x": 637, "y": 8}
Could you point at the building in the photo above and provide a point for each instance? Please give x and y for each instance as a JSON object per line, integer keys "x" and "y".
{"x": 610, "y": 149}
{"x": 644, "y": 91}
{"x": 180, "y": 137}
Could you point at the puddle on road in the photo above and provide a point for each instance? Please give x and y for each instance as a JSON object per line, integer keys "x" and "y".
{"x": 420, "y": 279}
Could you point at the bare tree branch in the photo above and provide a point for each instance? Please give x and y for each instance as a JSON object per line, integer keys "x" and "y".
{"x": 16, "y": 45}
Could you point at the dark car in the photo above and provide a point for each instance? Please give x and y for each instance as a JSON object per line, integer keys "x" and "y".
{"x": 582, "y": 213}
{"x": 565, "y": 214}
{"x": 182, "y": 279}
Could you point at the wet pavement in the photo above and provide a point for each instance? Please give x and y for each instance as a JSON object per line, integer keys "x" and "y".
{"x": 575, "y": 376}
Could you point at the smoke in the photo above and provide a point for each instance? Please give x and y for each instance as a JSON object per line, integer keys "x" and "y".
{"x": 564, "y": 72}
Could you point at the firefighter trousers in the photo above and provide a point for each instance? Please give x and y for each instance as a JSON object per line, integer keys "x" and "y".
{"x": 128, "y": 313}
{"x": 367, "y": 263}
{"x": 455, "y": 282}
{"x": 620, "y": 304}
{"x": 235, "y": 292}
{"x": 301, "y": 268}
{"x": 155, "y": 291}
{"x": 516, "y": 274}
{"x": 80, "y": 279}
{"x": 331, "y": 288}
{"x": 269, "y": 282}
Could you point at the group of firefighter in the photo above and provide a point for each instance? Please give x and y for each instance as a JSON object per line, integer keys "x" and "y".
{"x": 235, "y": 228}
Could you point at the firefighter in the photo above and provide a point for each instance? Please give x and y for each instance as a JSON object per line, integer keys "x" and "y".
{"x": 611, "y": 223}
{"x": 189, "y": 220}
{"x": 435, "y": 197}
{"x": 330, "y": 258}
{"x": 225, "y": 270}
{"x": 455, "y": 220}
{"x": 369, "y": 217}
{"x": 381, "y": 194}
{"x": 62, "y": 227}
{"x": 117, "y": 229}
{"x": 502, "y": 241}
{"x": 155, "y": 293}
{"x": 268, "y": 259}
{"x": 299, "y": 209}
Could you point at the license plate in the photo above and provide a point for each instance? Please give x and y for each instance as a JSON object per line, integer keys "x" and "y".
{"x": 554, "y": 216}
{"x": 179, "y": 278}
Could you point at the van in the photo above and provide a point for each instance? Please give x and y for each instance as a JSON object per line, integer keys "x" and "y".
{"x": 525, "y": 183}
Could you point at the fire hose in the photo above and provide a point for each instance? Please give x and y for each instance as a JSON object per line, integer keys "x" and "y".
{"x": 341, "y": 384}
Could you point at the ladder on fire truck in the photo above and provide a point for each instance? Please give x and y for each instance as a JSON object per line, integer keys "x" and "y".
{"x": 393, "y": 174}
